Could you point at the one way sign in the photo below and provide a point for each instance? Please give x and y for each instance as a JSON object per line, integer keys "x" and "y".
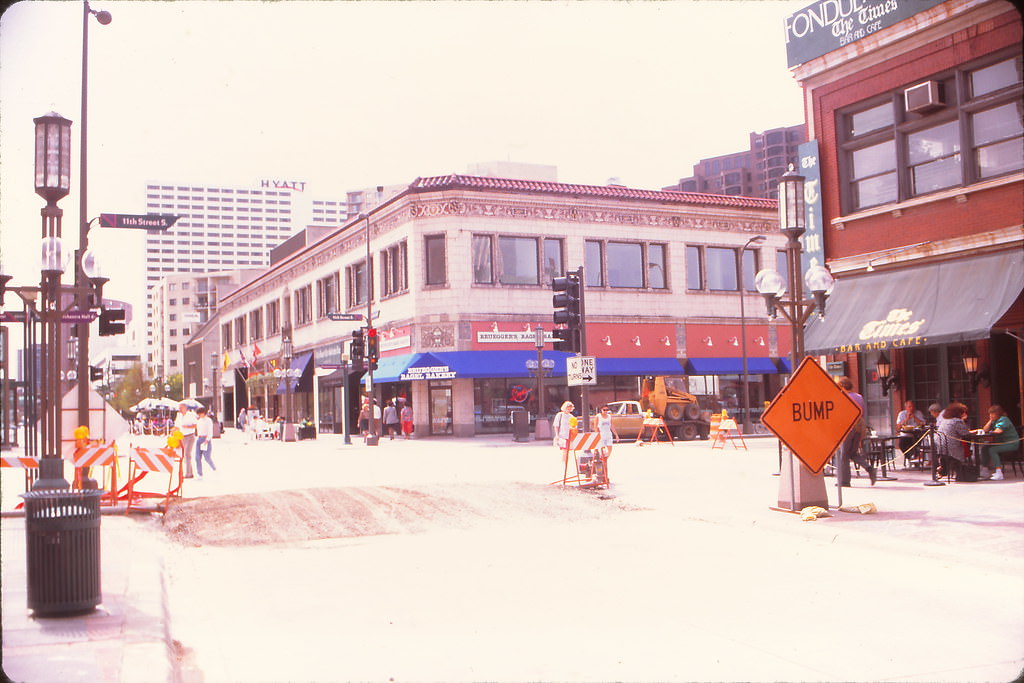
{"x": 580, "y": 370}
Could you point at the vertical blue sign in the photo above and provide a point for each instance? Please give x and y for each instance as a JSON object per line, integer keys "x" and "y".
{"x": 812, "y": 240}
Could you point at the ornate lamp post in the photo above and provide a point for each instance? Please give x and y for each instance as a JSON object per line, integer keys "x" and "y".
{"x": 757, "y": 239}
{"x": 806, "y": 488}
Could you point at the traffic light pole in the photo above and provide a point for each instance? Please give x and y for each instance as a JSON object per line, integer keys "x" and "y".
{"x": 585, "y": 388}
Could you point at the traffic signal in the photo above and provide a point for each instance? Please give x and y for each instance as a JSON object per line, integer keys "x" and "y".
{"x": 357, "y": 349}
{"x": 111, "y": 322}
{"x": 372, "y": 345}
{"x": 568, "y": 303}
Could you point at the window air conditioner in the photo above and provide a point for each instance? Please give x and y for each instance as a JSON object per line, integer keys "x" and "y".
{"x": 924, "y": 97}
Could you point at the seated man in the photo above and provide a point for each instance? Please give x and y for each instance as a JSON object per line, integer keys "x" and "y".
{"x": 909, "y": 420}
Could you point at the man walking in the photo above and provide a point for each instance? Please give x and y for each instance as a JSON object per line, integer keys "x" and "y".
{"x": 850, "y": 450}
{"x": 204, "y": 441}
{"x": 185, "y": 423}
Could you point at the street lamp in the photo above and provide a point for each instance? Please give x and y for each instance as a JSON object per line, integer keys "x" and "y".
{"x": 757, "y": 239}
{"x": 806, "y": 489}
{"x": 86, "y": 270}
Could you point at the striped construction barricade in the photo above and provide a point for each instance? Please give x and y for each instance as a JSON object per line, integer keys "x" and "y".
{"x": 655, "y": 424}
{"x": 593, "y": 464}
{"x": 97, "y": 454}
{"x": 26, "y": 462}
{"x": 145, "y": 461}
{"x": 728, "y": 432}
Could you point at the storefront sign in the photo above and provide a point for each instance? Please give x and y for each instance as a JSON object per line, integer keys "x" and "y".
{"x": 897, "y": 330}
{"x": 812, "y": 239}
{"x": 828, "y": 25}
{"x": 511, "y": 337}
{"x": 429, "y": 372}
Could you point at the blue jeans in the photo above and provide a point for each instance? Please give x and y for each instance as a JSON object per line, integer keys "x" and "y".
{"x": 204, "y": 449}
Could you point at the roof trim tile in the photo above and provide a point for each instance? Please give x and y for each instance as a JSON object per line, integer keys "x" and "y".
{"x": 469, "y": 182}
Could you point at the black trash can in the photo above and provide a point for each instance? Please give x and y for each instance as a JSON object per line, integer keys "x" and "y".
{"x": 520, "y": 425}
{"x": 62, "y": 535}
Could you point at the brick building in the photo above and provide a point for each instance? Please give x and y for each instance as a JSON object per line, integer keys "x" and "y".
{"x": 914, "y": 111}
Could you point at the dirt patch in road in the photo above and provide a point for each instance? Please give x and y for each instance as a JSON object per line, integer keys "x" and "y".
{"x": 310, "y": 514}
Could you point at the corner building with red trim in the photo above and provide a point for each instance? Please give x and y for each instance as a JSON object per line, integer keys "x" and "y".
{"x": 460, "y": 279}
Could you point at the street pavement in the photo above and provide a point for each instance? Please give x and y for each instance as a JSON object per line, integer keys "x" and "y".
{"x": 686, "y": 575}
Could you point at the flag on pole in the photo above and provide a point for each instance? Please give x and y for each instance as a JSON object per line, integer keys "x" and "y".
{"x": 227, "y": 361}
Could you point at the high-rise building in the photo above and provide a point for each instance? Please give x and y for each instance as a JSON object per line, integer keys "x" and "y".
{"x": 220, "y": 228}
{"x": 751, "y": 173}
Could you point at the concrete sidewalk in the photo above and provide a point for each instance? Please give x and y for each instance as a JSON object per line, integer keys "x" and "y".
{"x": 930, "y": 558}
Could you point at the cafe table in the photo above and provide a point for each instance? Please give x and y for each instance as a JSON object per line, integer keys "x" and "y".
{"x": 978, "y": 440}
{"x": 881, "y": 450}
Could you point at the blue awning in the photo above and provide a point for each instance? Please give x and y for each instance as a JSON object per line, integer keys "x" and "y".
{"x": 638, "y": 366}
{"x": 498, "y": 363}
{"x": 730, "y": 366}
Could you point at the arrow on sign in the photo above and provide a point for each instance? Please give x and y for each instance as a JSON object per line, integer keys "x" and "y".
{"x": 127, "y": 220}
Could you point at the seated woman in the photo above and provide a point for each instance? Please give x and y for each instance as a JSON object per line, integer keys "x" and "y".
{"x": 950, "y": 432}
{"x": 1007, "y": 441}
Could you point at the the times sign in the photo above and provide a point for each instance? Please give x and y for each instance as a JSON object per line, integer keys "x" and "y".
{"x": 828, "y": 25}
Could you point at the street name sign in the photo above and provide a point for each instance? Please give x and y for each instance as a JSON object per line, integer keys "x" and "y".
{"x": 345, "y": 316}
{"x": 811, "y": 415}
{"x": 76, "y": 316}
{"x": 580, "y": 370}
{"x": 146, "y": 221}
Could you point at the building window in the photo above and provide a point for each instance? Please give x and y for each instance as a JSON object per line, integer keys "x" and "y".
{"x": 518, "y": 261}
{"x": 593, "y": 258}
{"x": 890, "y": 154}
{"x": 625, "y": 264}
{"x": 327, "y": 295}
{"x": 273, "y": 310}
{"x": 433, "y": 247}
{"x": 355, "y": 276}
{"x": 394, "y": 269}
{"x": 694, "y": 268}
{"x": 303, "y": 305}
{"x": 656, "y": 278}
{"x": 483, "y": 260}
{"x": 256, "y": 323}
{"x": 225, "y": 335}
{"x": 239, "y": 325}
{"x": 553, "y": 264}
{"x": 721, "y": 268}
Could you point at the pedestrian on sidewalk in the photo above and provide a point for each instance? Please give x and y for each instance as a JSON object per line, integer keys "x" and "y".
{"x": 242, "y": 422}
{"x": 204, "y": 440}
{"x": 850, "y": 450}
{"x": 185, "y": 423}
{"x": 364, "y": 418}
{"x": 391, "y": 423}
{"x": 407, "y": 420}
{"x": 563, "y": 427}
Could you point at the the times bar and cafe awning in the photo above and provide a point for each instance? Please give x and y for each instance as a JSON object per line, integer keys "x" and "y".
{"x": 937, "y": 303}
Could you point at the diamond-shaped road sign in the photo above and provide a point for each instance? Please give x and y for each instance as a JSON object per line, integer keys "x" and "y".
{"x": 811, "y": 415}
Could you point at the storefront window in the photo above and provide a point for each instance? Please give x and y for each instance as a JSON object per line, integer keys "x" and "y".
{"x": 440, "y": 393}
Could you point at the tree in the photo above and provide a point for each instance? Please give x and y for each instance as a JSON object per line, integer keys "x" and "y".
{"x": 129, "y": 389}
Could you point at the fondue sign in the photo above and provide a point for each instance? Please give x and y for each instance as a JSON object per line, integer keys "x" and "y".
{"x": 899, "y": 326}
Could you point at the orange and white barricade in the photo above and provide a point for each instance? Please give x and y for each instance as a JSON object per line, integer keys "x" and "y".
{"x": 655, "y": 424}
{"x": 26, "y": 462}
{"x": 716, "y": 420}
{"x": 728, "y": 432}
{"x": 97, "y": 455}
{"x": 585, "y": 441}
{"x": 144, "y": 461}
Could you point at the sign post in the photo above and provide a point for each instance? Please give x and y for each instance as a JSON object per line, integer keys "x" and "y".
{"x": 811, "y": 416}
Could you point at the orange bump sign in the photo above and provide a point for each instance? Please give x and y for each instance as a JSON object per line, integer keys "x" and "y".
{"x": 811, "y": 415}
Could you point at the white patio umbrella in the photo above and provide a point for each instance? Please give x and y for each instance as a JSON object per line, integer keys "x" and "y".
{"x": 191, "y": 403}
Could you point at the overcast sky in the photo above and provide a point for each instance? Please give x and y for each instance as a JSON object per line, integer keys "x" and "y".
{"x": 346, "y": 95}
